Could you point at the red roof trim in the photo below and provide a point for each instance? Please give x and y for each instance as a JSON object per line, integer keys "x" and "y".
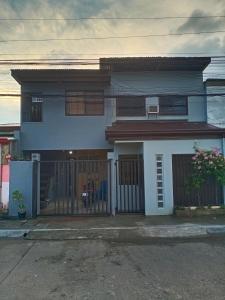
{"x": 125, "y": 130}
{"x": 4, "y": 140}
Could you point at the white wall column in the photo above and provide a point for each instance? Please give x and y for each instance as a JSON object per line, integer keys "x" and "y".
{"x": 150, "y": 175}
{"x": 166, "y": 148}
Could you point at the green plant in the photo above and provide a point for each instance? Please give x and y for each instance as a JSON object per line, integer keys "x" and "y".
{"x": 206, "y": 164}
{"x": 19, "y": 199}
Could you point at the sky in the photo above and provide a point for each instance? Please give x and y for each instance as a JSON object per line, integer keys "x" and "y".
{"x": 205, "y": 44}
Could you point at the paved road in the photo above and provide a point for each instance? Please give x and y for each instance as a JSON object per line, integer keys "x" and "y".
{"x": 97, "y": 269}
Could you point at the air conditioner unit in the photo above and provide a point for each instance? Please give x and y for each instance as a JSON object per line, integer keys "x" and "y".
{"x": 35, "y": 156}
{"x": 153, "y": 110}
{"x": 37, "y": 99}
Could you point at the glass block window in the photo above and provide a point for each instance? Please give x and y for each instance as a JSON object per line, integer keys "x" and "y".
{"x": 159, "y": 181}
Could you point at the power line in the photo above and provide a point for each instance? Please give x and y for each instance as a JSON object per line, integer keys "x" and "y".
{"x": 112, "y": 18}
{"x": 50, "y": 59}
{"x": 216, "y": 59}
{"x": 51, "y": 63}
{"x": 119, "y": 95}
{"x": 113, "y": 37}
{"x": 114, "y": 53}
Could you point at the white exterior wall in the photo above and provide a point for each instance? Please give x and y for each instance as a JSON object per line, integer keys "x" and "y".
{"x": 128, "y": 148}
{"x": 167, "y": 148}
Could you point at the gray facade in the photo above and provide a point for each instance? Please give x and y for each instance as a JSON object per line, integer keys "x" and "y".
{"x": 60, "y": 132}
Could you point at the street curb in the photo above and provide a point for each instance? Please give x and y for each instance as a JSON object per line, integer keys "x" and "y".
{"x": 156, "y": 231}
{"x": 13, "y": 233}
{"x": 216, "y": 231}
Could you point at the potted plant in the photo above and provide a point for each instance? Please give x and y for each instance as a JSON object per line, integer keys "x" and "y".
{"x": 19, "y": 199}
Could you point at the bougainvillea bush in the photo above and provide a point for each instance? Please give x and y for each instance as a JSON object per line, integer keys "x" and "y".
{"x": 207, "y": 163}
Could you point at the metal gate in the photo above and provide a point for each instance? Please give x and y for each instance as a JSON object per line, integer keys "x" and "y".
{"x": 209, "y": 194}
{"x": 75, "y": 187}
{"x": 130, "y": 186}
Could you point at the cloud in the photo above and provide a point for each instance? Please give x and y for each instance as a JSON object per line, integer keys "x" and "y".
{"x": 85, "y": 28}
{"x": 9, "y": 112}
{"x": 202, "y": 24}
{"x": 210, "y": 46}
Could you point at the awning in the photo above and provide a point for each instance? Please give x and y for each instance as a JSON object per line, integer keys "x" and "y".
{"x": 156, "y": 130}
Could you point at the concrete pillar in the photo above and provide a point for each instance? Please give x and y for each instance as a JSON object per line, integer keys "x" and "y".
{"x": 112, "y": 176}
{"x": 150, "y": 175}
{"x": 21, "y": 178}
{"x": 36, "y": 180}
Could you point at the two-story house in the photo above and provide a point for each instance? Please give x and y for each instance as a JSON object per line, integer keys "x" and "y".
{"x": 119, "y": 138}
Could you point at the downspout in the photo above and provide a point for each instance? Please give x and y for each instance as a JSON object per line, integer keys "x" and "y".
{"x": 1, "y": 169}
{"x": 205, "y": 102}
{"x": 223, "y": 151}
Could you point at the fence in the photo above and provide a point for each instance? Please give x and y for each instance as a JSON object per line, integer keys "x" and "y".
{"x": 210, "y": 193}
{"x": 75, "y": 187}
{"x": 129, "y": 186}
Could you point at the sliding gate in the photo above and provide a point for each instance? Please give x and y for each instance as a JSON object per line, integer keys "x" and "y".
{"x": 75, "y": 187}
{"x": 130, "y": 186}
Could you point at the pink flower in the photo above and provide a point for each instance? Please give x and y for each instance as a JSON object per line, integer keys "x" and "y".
{"x": 194, "y": 158}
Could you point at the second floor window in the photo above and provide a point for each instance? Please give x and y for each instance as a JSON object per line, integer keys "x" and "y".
{"x": 84, "y": 103}
{"x": 130, "y": 106}
{"x": 32, "y": 108}
{"x": 36, "y": 112}
{"x": 173, "y": 105}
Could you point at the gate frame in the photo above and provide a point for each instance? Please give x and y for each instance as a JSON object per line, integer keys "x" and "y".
{"x": 109, "y": 210}
{"x": 141, "y": 185}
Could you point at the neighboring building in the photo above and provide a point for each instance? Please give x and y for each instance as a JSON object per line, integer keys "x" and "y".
{"x": 144, "y": 114}
{"x": 216, "y": 103}
{"x": 8, "y": 136}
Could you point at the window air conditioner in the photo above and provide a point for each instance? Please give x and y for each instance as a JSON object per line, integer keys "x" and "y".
{"x": 153, "y": 110}
{"x": 37, "y": 99}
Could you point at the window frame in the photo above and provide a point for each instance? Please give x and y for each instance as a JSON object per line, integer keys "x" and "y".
{"x": 40, "y": 111}
{"x": 130, "y": 115}
{"x": 85, "y": 114}
{"x": 27, "y": 106}
{"x": 173, "y": 113}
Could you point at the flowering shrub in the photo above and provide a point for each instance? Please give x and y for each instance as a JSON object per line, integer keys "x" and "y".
{"x": 207, "y": 163}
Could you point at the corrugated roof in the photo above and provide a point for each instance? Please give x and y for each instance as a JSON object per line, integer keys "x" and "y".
{"x": 141, "y": 130}
{"x": 60, "y": 75}
{"x": 154, "y": 63}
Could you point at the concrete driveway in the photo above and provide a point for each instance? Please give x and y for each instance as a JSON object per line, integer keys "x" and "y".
{"x": 97, "y": 269}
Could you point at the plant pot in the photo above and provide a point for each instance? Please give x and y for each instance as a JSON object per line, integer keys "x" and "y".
{"x": 22, "y": 215}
